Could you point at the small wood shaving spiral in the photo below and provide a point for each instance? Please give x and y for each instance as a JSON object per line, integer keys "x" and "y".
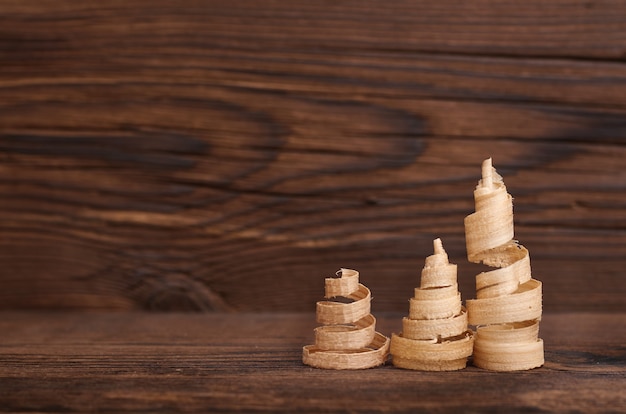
{"x": 347, "y": 338}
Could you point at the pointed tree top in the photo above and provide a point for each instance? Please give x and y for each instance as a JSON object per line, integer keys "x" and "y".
{"x": 437, "y": 270}
{"x": 487, "y": 172}
{"x": 438, "y": 247}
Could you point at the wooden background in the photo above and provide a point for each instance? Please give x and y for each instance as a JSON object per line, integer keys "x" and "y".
{"x": 229, "y": 155}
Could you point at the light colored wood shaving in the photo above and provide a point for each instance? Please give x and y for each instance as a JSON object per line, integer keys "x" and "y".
{"x": 508, "y": 303}
{"x": 347, "y": 338}
{"x": 435, "y": 336}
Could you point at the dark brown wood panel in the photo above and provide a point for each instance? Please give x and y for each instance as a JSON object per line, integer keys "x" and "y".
{"x": 592, "y": 29}
{"x": 252, "y": 363}
{"x": 229, "y": 155}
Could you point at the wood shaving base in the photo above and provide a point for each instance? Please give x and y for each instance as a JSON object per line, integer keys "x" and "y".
{"x": 435, "y": 336}
{"x": 347, "y": 338}
{"x": 508, "y": 307}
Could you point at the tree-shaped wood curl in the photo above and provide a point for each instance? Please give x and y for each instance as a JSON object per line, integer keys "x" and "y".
{"x": 435, "y": 336}
{"x": 347, "y": 338}
{"x": 507, "y": 308}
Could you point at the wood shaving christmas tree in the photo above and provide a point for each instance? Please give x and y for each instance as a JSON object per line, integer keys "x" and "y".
{"x": 347, "y": 338}
{"x": 435, "y": 336}
{"x": 507, "y": 308}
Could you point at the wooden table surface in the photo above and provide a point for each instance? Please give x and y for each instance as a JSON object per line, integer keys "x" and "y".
{"x": 134, "y": 362}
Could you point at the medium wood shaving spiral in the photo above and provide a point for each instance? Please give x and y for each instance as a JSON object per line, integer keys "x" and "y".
{"x": 347, "y": 338}
{"x": 435, "y": 336}
{"x": 508, "y": 303}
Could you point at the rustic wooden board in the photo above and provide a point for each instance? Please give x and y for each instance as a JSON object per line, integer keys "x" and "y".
{"x": 117, "y": 362}
{"x": 226, "y": 155}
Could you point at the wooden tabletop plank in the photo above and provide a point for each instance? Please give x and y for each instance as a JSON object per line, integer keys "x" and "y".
{"x": 252, "y": 362}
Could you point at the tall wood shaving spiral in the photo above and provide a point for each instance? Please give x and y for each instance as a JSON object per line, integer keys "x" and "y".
{"x": 507, "y": 308}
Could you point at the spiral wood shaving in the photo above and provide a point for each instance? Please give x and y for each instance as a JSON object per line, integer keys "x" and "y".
{"x": 507, "y": 308}
{"x": 435, "y": 336}
{"x": 347, "y": 338}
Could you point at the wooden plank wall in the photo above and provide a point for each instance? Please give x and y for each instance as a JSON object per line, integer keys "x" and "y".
{"x": 229, "y": 155}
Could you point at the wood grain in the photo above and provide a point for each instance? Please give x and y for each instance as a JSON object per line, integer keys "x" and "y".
{"x": 230, "y": 155}
{"x": 241, "y": 362}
